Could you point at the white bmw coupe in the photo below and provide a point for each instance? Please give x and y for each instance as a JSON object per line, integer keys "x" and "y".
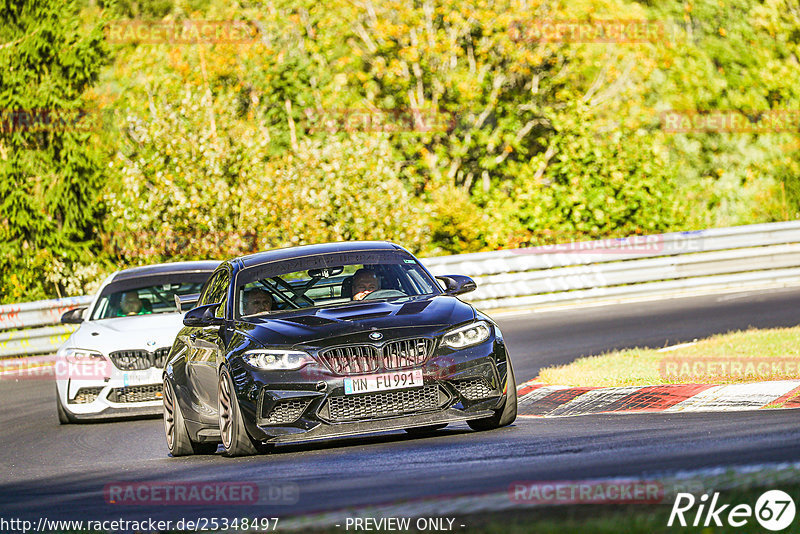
{"x": 112, "y": 365}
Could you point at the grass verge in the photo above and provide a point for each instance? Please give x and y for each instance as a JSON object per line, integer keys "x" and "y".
{"x": 736, "y": 357}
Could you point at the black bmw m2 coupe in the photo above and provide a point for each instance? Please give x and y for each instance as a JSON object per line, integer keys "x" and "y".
{"x": 331, "y": 340}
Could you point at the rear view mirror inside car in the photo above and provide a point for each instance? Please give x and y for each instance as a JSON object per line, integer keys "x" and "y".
{"x": 325, "y": 273}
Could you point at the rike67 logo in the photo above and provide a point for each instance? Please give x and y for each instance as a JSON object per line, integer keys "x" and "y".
{"x": 774, "y": 510}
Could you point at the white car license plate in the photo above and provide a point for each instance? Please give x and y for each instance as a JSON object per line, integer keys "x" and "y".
{"x": 140, "y": 378}
{"x": 383, "y": 382}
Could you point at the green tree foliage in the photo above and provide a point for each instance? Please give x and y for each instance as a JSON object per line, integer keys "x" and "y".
{"x": 49, "y": 173}
{"x": 549, "y": 137}
{"x": 189, "y": 191}
{"x": 735, "y": 56}
{"x": 478, "y": 138}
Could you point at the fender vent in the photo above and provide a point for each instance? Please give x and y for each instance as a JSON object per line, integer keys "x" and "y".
{"x": 284, "y": 412}
{"x": 475, "y": 388}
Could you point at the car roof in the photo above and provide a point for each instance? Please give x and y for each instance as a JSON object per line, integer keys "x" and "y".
{"x": 312, "y": 250}
{"x": 167, "y": 268}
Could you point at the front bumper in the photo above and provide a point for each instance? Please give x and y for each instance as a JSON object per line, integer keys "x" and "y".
{"x": 124, "y": 394}
{"x": 310, "y": 404}
{"x": 324, "y": 431}
{"x": 118, "y": 413}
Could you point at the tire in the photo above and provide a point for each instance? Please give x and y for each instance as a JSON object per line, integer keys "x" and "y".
{"x": 425, "y": 430}
{"x": 235, "y": 439}
{"x": 64, "y": 417}
{"x": 503, "y": 416}
{"x": 178, "y": 441}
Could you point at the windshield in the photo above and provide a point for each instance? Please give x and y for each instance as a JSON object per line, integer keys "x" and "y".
{"x": 146, "y": 296}
{"x": 330, "y": 279}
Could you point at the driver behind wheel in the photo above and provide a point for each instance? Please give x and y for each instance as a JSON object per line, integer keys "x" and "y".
{"x": 132, "y": 305}
{"x": 256, "y": 301}
{"x": 365, "y": 282}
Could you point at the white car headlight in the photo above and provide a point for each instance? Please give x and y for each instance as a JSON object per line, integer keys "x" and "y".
{"x": 82, "y": 356}
{"x": 468, "y": 335}
{"x": 277, "y": 360}
{"x": 82, "y": 364}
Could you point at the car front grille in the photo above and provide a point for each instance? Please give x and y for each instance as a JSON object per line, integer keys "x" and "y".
{"x": 86, "y": 395}
{"x": 372, "y": 405}
{"x": 393, "y": 355}
{"x": 406, "y": 353}
{"x": 160, "y": 357}
{"x": 475, "y": 388}
{"x": 284, "y": 412}
{"x": 136, "y": 394}
{"x": 139, "y": 360}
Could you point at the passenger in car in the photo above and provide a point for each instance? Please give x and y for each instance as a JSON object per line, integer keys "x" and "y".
{"x": 365, "y": 282}
{"x": 256, "y": 301}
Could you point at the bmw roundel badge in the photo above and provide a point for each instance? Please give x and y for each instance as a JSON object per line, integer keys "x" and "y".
{"x": 376, "y": 336}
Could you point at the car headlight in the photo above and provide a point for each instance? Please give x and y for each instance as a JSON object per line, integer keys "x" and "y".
{"x": 468, "y": 335}
{"x": 83, "y": 356}
{"x": 277, "y": 360}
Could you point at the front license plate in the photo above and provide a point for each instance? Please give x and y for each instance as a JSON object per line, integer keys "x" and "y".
{"x": 140, "y": 378}
{"x": 383, "y": 382}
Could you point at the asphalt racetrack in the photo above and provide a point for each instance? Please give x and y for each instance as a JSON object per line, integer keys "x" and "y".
{"x": 60, "y": 472}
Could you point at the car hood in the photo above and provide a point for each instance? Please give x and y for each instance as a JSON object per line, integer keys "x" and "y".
{"x": 436, "y": 312}
{"x": 148, "y": 332}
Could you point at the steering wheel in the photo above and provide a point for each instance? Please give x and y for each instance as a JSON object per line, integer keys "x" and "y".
{"x": 384, "y": 293}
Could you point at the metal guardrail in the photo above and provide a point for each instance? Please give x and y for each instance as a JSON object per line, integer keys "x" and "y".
{"x": 675, "y": 263}
{"x": 38, "y": 313}
{"x": 35, "y": 341}
{"x": 28, "y": 315}
{"x": 723, "y": 258}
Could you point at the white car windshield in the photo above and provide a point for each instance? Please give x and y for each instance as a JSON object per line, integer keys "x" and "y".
{"x": 144, "y": 297}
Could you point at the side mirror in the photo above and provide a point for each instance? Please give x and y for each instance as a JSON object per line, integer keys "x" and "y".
{"x": 203, "y": 316}
{"x": 73, "y": 316}
{"x": 457, "y": 284}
